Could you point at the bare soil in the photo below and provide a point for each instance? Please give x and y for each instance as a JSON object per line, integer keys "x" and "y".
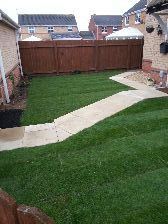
{"x": 10, "y": 114}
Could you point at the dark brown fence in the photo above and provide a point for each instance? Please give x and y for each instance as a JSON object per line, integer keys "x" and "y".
{"x": 11, "y": 213}
{"x": 70, "y": 56}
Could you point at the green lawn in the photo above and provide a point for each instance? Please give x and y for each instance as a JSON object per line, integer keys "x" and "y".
{"x": 114, "y": 172}
{"x": 52, "y": 97}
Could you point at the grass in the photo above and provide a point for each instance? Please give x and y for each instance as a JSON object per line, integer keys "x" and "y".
{"x": 52, "y": 97}
{"x": 114, "y": 172}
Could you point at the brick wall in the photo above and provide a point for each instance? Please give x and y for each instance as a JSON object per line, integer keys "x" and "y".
{"x": 153, "y": 60}
{"x": 98, "y": 30}
{"x": 15, "y": 73}
{"x": 8, "y": 47}
{"x": 140, "y": 27}
{"x": 9, "y": 56}
{"x": 42, "y": 32}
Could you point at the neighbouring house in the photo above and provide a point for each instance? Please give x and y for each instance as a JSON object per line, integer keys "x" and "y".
{"x": 103, "y": 25}
{"x": 87, "y": 35}
{"x": 42, "y": 25}
{"x": 155, "y": 54}
{"x": 10, "y": 75}
{"x": 66, "y": 36}
{"x": 135, "y": 17}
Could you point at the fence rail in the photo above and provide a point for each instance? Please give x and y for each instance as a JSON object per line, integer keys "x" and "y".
{"x": 11, "y": 213}
{"x": 69, "y": 56}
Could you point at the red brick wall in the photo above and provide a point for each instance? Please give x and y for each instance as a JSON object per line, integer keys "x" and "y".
{"x": 98, "y": 30}
{"x": 154, "y": 72}
{"x": 92, "y": 27}
{"x": 16, "y": 75}
{"x": 147, "y": 65}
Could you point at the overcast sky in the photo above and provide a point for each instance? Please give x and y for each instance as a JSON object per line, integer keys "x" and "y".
{"x": 81, "y": 9}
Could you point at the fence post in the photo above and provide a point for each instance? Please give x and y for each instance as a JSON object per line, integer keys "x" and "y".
{"x": 30, "y": 215}
{"x": 55, "y": 49}
{"x": 129, "y": 55}
{"x": 96, "y": 54}
{"x": 8, "y": 209}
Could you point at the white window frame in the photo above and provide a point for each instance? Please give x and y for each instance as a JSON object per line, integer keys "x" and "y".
{"x": 50, "y": 29}
{"x": 70, "y": 28}
{"x": 126, "y": 20}
{"x": 137, "y": 17}
{"x": 31, "y": 29}
{"x": 115, "y": 28}
{"x": 104, "y": 29}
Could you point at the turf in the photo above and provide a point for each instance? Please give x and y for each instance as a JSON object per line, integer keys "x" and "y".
{"x": 52, "y": 97}
{"x": 114, "y": 172}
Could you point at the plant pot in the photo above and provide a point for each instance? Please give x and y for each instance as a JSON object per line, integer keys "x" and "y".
{"x": 150, "y": 29}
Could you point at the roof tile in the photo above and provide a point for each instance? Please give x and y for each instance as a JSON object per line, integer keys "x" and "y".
{"x": 47, "y": 19}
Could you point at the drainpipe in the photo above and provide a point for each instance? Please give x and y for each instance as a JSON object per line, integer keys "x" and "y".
{"x": 18, "y": 52}
{"x": 4, "y": 79}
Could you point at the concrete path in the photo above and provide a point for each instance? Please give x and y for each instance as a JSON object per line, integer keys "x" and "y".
{"x": 78, "y": 120}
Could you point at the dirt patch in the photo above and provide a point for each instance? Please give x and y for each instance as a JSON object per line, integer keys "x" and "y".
{"x": 144, "y": 78}
{"x": 165, "y": 90}
{"x": 10, "y": 118}
{"x": 139, "y": 76}
{"x": 19, "y": 96}
{"x": 10, "y": 114}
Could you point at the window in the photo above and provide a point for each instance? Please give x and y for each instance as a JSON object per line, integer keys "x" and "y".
{"x": 50, "y": 29}
{"x": 137, "y": 18}
{"x": 31, "y": 29}
{"x": 104, "y": 29}
{"x": 127, "y": 20}
{"x": 115, "y": 28}
{"x": 69, "y": 28}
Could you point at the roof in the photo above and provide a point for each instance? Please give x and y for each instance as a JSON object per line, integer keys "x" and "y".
{"x": 107, "y": 20}
{"x": 47, "y": 19}
{"x": 126, "y": 33}
{"x": 66, "y": 36}
{"x": 32, "y": 38}
{"x": 87, "y": 35}
{"x": 138, "y": 6}
{"x": 157, "y": 5}
{"x": 6, "y": 19}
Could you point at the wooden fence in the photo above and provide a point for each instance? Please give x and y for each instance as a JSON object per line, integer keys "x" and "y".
{"x": 11, "y": 213}
{"x": 70, "y": 56}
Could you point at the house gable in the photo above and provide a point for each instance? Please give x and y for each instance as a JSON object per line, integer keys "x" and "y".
{"x": 139, "y": 6}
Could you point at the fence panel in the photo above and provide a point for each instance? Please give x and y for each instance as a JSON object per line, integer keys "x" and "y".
{"x": 69, "y": 56}
{"x": 11, "y": 213}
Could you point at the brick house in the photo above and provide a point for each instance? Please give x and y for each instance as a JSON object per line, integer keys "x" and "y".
{"x": 153, "y": 60}
{"x": 42, "y": 25}
{"x": 103, "y": 25}
{"x": 136, "y": 16}
{"x": 9, "y": 50}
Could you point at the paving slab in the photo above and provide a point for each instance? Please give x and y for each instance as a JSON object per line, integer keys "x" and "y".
{"x": 62, "y": 134}
{"x": 39, "y": 127}
{"x": 10, "y": 145}
{"x": 11, "y": 134}
{"x": 38, "y": 138}
{"x": 75, "y": 124}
